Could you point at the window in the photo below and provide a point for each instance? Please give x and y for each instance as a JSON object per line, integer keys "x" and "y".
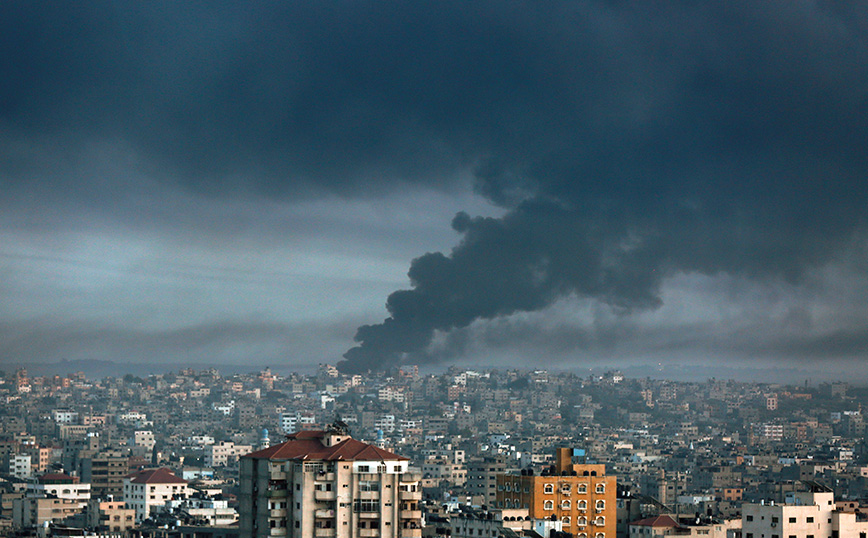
{"x": 600, "y": 521}
{"x": 582, "y": 521}
{"x": 366, "y": 505}
{"x": 749, "y": 518}
{"x": 582, "y": 505}
{"x": 600, "y": 535}
{"x": 566, "y": 521}
{"x": 548, "y": 488}
{"x": 601, "y": 505}
{"x": 774, "y": 519}
{"x": 364, "y": 468}
{"x": 601, "y": 488}
{"x": 549, "y": 505}
{"x": 565, "y": 488}
{"x": 565, "y": 505}
{"x": 582, "y": 488}
{"x": 792, "y": 520}
{"x": 810, "y": 519}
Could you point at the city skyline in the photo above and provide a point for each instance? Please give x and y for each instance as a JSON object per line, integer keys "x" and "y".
{"x": 583, "y": 185}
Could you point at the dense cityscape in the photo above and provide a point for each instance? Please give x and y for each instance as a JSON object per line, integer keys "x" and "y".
{"x": 194, "y": 453}
{"x": 405, "y": 269}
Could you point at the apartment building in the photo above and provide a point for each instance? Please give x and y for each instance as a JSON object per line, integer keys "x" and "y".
{"x": 804, "y": 514}
{"x": 105, "y": 471}
{"x": 149, "y": 488}
{"x": 325, "y": 483}
{"x": 579, "y": 495}
{"x": 223, "y": 453}
{"x": 110, "y": 516}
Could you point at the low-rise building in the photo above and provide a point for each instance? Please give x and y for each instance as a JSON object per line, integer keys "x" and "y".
{"x": 152, "y": 487}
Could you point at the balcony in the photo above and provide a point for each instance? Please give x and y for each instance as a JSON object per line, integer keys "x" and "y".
{"x": 324, "y": 514}
{"x": 369, "y": 515}
{"x": 325, "y": 532}
{"x": 276, "y": 493}
{"x": 411, "y": 533}
{"x": 410, "y": 495}
{"x": 277, "y": 531}
{"x": 411, "y": 514}
{"x": 369, "y": 495}
{"x": 369, "y": 532}
{"x": 323, "y": 476}
{"x": 322, "y": 495}
{"x": 277, "y": 512}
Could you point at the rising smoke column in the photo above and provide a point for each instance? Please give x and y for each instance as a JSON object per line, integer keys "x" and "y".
{"x": 522, "y": 262}
{"x": 702, "y": 139}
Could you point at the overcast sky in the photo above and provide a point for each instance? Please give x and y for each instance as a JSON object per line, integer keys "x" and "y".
{"x": 541, "y": 183}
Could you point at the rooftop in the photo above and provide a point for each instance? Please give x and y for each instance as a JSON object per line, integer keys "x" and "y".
{"x": 308, "y": 445}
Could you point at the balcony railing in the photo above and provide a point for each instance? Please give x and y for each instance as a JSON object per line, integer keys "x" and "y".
{"x": 322, "y": 495}
{"x": 410, "y": 495}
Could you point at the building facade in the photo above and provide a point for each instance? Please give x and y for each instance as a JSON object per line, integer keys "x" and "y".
{"x": 579, "y": 495}
{"x": 152, "y": 487}
{"x": 325, "y": 483}
{"x": 811, "y": 514}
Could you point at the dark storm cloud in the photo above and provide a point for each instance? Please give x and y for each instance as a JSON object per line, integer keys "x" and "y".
{"x": 221, "y": 341}
{"x": 627, "y": 142}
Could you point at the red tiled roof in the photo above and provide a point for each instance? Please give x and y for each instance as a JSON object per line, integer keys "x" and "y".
{"x": 307, "y": 445}
{"x": 659, "y": 521}
{"x": 155, "y": 476}
{"x": 55, "y": 478}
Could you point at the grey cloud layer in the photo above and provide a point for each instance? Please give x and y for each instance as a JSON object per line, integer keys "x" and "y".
{"x": 627, "y": 142}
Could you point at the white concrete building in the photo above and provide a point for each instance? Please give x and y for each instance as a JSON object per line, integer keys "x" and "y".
{"x": 20, "y": 465}
{"x": 64, "y": 416}
{"x": 803, "y": 515}
{"x": 144, "y": 439}
{"x": 61, "y": 486}
{"x": 152, "y": 487}
{"x": 222, "y": 453}
{"x": 214, "y": 512}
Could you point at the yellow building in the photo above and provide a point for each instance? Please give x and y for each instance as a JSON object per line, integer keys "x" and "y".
{"x": 580, "y": 495}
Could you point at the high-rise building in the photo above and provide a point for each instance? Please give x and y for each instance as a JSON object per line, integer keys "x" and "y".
{"x": 482, "y": 477}
{"x": 105, "y": 471}
{"x": 325, "y": 483}
{"x": 580, "y": 495}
